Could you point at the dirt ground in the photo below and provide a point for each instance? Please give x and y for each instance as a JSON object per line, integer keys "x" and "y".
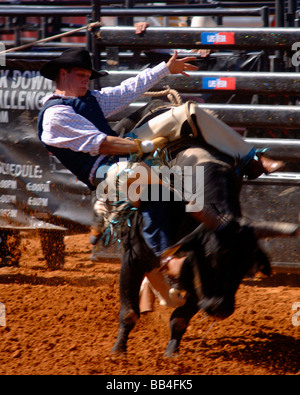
{"x": 65, "y": 322}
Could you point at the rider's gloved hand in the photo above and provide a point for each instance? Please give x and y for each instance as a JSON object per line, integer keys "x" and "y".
{"x": 147, "y": 146}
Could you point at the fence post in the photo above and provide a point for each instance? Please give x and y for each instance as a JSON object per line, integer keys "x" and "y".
{"x": 128, "y": 21}
{"x": 96, "y": 51}
{"x": 290, "y": 15}
{"x": 265, "y": 14}
{"x": 279, "y": 15}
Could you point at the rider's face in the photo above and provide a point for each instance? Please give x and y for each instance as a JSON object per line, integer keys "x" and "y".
{"x": 76, "y": 81}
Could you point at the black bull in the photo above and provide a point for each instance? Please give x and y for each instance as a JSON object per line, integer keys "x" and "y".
{"x": 217, "y": 260}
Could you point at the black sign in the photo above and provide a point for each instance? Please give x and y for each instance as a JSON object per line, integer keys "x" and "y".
{"x": 36, "y": 190}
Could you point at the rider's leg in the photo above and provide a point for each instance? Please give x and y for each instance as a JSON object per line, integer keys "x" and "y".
{"x": 215, "y": 132}
{"x": 168, "y": 124}
{"x": 227, "y": 140}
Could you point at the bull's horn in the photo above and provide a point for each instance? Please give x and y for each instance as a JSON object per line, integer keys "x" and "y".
{"x": 275, "y": 229}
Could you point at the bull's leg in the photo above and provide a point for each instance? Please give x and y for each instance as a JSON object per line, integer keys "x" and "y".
{"x": 131, "y": 277}
{"x": 128, "y": 318}
{"x": 178, "y": 324}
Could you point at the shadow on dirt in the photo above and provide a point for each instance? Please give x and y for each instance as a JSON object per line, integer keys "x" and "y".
{"x": 276, "y": 352}
{"x": 80, "y": 281}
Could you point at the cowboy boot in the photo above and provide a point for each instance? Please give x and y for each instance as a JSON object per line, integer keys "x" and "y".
{"x": 262, "y": 165}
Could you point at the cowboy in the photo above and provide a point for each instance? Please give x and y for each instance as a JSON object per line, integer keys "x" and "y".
{"x": 73, "y": 124}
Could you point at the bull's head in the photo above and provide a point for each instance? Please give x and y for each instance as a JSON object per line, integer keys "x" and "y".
{"x": 218, "y": 260}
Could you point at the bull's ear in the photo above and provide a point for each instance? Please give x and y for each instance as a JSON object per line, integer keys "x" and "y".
{"x": 275, "y": 229}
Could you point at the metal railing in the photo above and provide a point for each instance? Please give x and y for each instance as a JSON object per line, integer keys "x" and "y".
{"x": 193, "y": 38}
{"x": 262, "y": 83}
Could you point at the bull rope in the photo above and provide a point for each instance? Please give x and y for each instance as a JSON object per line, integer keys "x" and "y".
{"x": 205, "y": 333}
{"x": 89, "y": 27}
{"x": 203, "y": 338}
{"x": 171, "y": 94}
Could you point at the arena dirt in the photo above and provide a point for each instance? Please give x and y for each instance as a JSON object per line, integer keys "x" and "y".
{"x": 65, "y": 322}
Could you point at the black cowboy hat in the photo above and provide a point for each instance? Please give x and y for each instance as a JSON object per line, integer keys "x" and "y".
{"x": 74, "y": 57}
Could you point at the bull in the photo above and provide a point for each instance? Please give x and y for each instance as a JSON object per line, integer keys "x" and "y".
{"x": 220, "y": 250}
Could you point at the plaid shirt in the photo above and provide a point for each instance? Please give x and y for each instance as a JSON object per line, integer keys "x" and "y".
{"x": 63, "y": 128}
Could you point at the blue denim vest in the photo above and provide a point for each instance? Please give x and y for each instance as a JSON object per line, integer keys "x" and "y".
{"x": 79, "y": 163}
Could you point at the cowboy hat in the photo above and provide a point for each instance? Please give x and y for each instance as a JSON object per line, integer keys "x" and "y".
{"x": 74, "y": 57}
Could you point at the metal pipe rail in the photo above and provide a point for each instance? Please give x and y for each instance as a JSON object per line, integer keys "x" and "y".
{"x": 27, "y": 10}
{"x": 262, "y": 83}
{"x": 190, "y": 38}
{"x": 278, "y": 179}
{"x": 56, "y": 50}
{"x": 168, "y": 2}
{"x": 259, "y": 116}
{"x": 279, "y": 116}
{"x": 88, "y": 2}
{"x": 43, "y": 11}
{"x": 122, "y": 2}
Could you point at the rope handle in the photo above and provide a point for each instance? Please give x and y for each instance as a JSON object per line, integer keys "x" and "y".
{"x": 89, "y": 27}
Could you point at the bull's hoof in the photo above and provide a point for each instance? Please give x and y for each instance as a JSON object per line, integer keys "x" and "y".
{"x": 118, "y": 351}
{"x": 170, "y": 354}
{"x": 172, "y": 349}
